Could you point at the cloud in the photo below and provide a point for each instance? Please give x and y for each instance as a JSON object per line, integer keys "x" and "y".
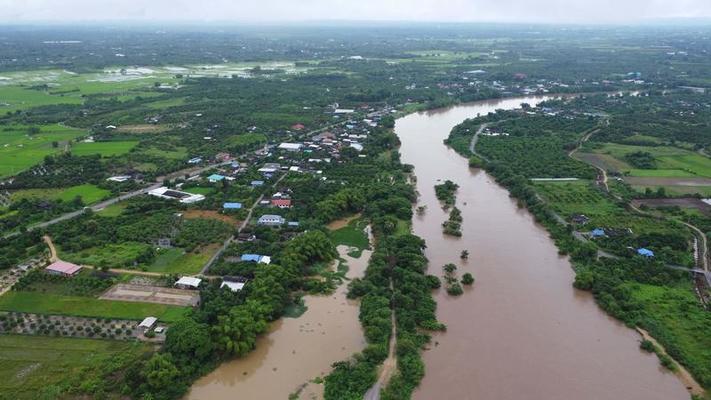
{"x": 562, "y": 11}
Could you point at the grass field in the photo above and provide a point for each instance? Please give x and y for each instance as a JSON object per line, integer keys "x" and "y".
{"x": 42, "y": 303}
{"x": 350, "y": 235}
{"x": 176, "y": 261}
{"x": 113, "y": 210}
{"x": 35, "y": 367}
{"x": 20, "y": 151}
{"x": 671, "y": 161}
{"x": 176, "y": 154}
{"x": 89, "y": 193}
{"x": 115, "y": 255}
{"x": 675, "y": 318}
{"x": 21, "y": 98}
{"x": 105, "y": 149}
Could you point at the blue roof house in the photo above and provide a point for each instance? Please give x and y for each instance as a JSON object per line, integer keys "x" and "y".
{"x": 645, "y": 252}
{"x": 232, "y": 206}
{"x": 250, "y": 257}
{"x": 598, "y": 232}
{"x": 215, "y": 178}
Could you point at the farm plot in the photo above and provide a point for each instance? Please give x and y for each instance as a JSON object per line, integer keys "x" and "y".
{"x": 45, "y": 303}
{"x": 691, "y": 202}
{"x": 152, "y": 294}
{"x": 105, "y": 149}
{"x": 22, "y": 147}
{"x": 670, "y": 161}
{"x": 577, "y": 197}
{"x": 33, "y": 367}
{"x": 89, "y": 194}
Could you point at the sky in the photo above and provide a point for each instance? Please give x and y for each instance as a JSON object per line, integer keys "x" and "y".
{"x": 264, "y": 11}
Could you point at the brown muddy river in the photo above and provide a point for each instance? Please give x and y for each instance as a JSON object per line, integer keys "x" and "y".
{"x": 522, "y": 331}
{"x": 295, "y": 351}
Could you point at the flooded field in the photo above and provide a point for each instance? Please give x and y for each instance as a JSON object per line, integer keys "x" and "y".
{"x": 295, "y": 351}
{"x": 522, "y": 331}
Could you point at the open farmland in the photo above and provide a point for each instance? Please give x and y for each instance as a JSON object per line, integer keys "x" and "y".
{"x": 89, "y": 193}
{"x": 43, "y": 303}
{"x": 105, "y": 149}
{"x": 671, "y": 161}
{"x": 20, "y": 149}
{"x": 35, "y": 367}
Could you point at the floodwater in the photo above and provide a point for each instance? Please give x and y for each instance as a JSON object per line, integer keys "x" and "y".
{"x": 295, "y": 351}
{"x": 522, "y": 331}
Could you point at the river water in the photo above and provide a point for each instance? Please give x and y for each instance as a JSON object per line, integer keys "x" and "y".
{"x": 295, "y": 351}
{"x": 522, "y": 331}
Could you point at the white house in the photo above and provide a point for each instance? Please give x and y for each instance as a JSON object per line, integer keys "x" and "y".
{"x": 148, "y": 323}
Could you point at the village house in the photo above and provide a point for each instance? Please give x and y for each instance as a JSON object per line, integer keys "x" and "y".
{"x": 281, "y": 203}
{"x": 271, "y": 220}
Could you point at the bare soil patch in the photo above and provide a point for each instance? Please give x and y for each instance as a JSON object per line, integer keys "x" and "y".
{"x": 659, "y": 181}
{"x": 683, "y": 203}
{"x": 194, "y": 214}
{"x": 152, "y": 294}
{"x": 142, "y": 128}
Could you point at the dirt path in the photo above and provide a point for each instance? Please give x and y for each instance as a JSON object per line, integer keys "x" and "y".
{"x": 475, "y": 139}
{"x": 52, "y": 250}
{"x": 684, "y": 376}
{"x": 244, "y": 223}
{"x": 389, "y": 366}
{"x": 602, "y": 173}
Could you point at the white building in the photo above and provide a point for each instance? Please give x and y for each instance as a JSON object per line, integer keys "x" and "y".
{"x": 233, "y": 286}
{"x": 291, "y": 146}
{"x": 188, "y": 282}
{"x": 170, "y": 194}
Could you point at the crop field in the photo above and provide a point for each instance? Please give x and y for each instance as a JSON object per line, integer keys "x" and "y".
{"x": 36, "y": 367}
{"x": 21, "y": 98}
{"x": 177, "y": 261}
{"x": 89, "y": 193}
{"x": 105, "y": 149}
{"x": 351, "y": 235}
{"x": 20, "y": 150}
{"x": 577, "y": 197}
{"x": 678, "y": 162}
{"x": 44, "y": 303}
{"x": 116, "y": 255}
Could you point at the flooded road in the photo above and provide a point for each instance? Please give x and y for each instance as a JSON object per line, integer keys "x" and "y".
{"x": 295, "y": 351}
{"x": 522, "y": 331}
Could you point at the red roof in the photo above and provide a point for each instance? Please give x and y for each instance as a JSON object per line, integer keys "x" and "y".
{"x": 281, "y": 202}
{"x": 64, "y": 267}
{"x": 298, "y": 127}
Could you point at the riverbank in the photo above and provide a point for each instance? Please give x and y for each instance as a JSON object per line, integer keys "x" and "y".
{"x": 295, "y": 351}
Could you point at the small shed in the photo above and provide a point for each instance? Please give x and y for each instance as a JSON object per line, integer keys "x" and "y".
{"x": 250, "y": 257}
{"x": 257, "y": 183}
{"x": 233, "y": 286}
{"x": 597, "y": 232}
{"x": 232, "y": 206}
{"x": 188, "y": 282}
{"x": 148, "y": 323}
{"x": 645, "y": 252}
